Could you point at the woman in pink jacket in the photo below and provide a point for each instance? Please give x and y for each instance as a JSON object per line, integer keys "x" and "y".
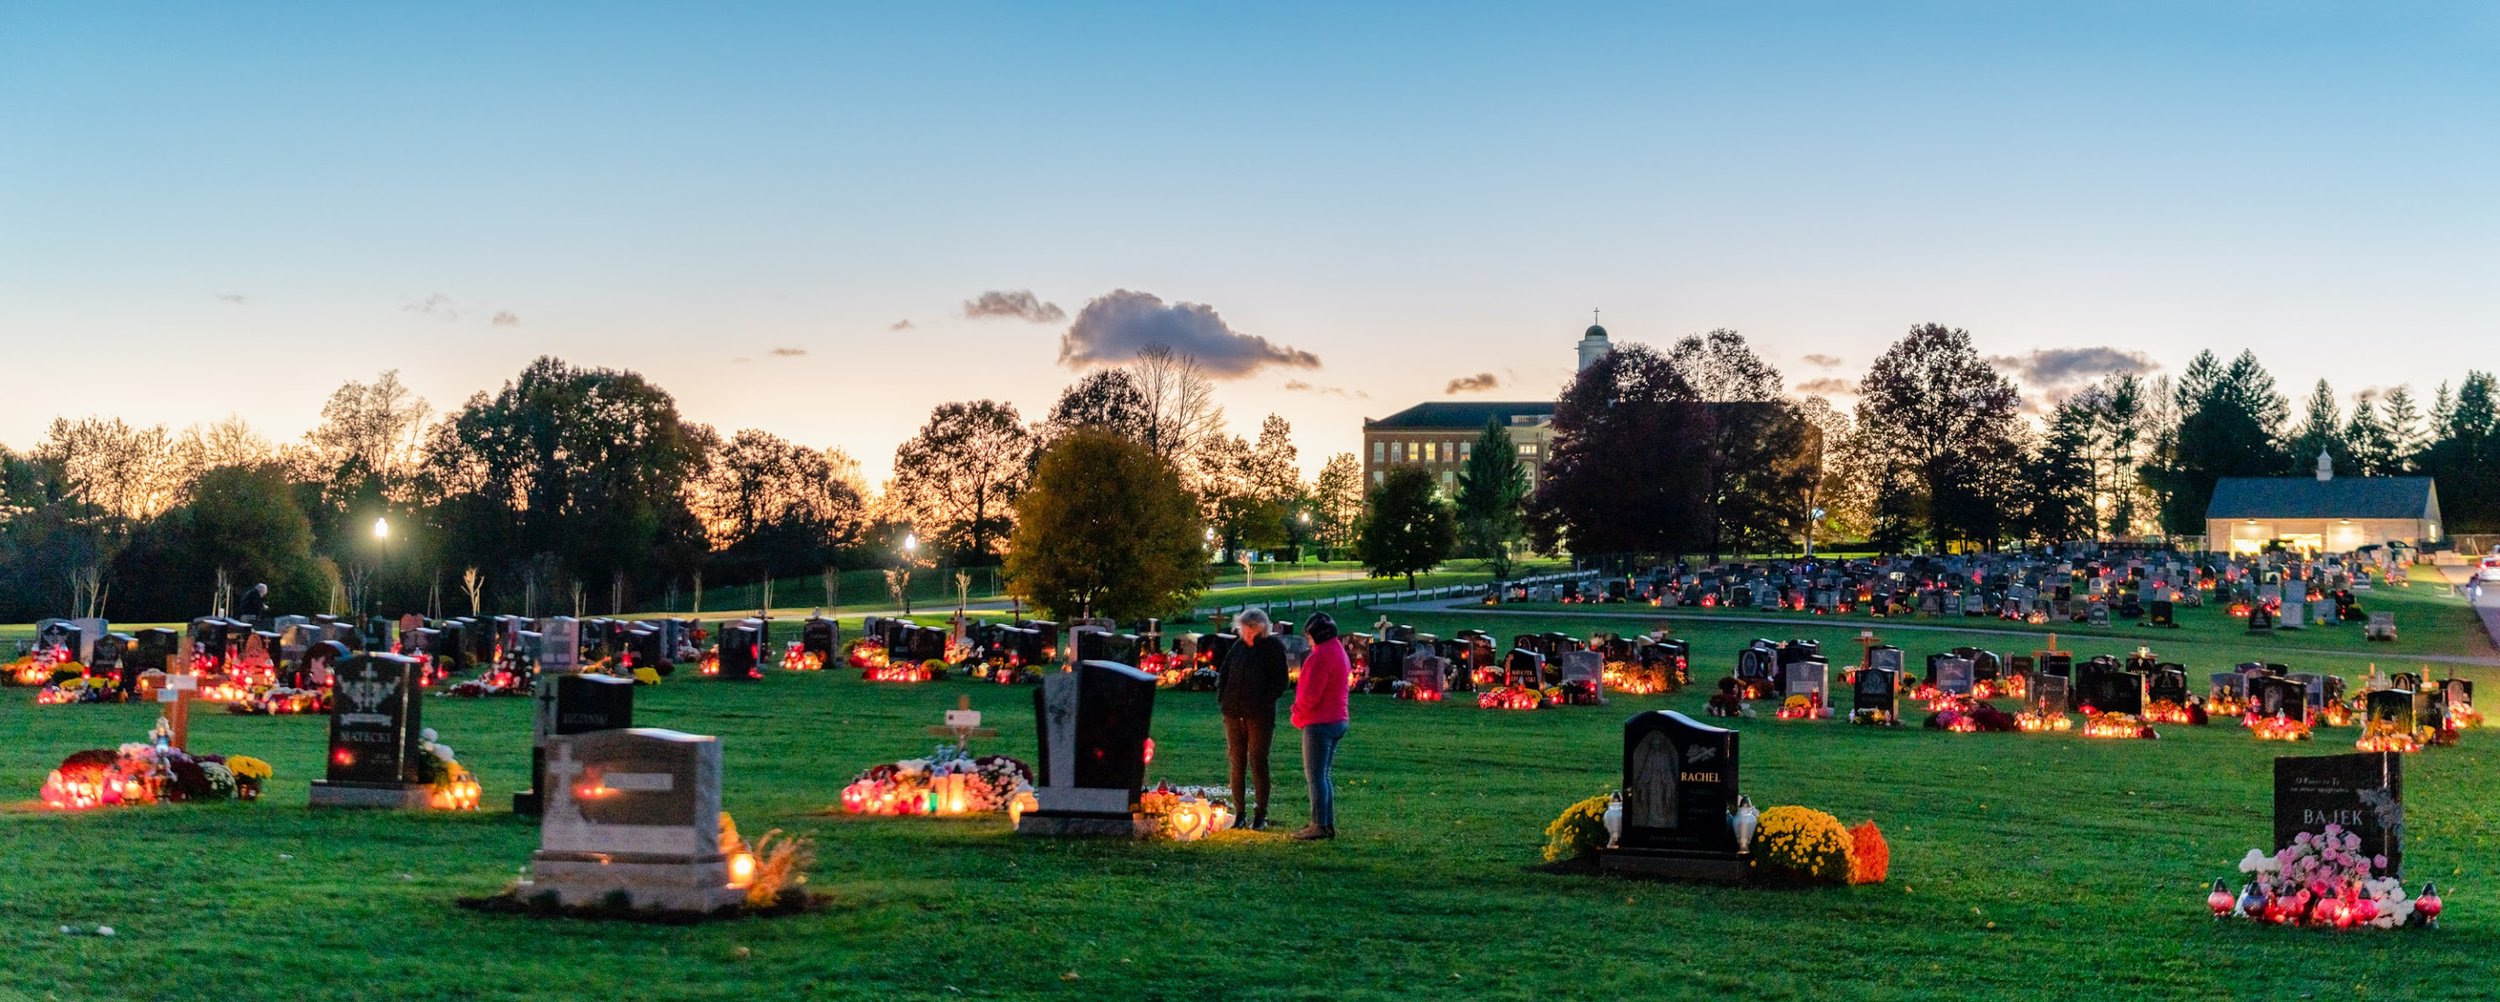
{"x": 1319, "y": 709}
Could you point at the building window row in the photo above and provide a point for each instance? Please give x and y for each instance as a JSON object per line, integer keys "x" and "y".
{"x": 1429, "y": 452}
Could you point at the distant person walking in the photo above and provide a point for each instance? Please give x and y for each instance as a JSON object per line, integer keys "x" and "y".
{"x": 1248, "y": 683}
{"x": 254, "y": 604}
{"x": 1320, "y": 710}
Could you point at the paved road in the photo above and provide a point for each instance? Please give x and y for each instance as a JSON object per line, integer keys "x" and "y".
{"x": 2490, "y": 610}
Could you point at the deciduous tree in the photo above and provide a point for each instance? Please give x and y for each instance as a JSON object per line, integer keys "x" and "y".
{"x": 958, "y": 478}
{"x": 1106, "y": 530}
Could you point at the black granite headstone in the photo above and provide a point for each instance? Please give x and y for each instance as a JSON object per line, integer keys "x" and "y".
{"x": 571, "y": 704}
{"x": 1878, "y": 688}
{"x": 1679, "y": 787}
{"x": 375, "y": 709}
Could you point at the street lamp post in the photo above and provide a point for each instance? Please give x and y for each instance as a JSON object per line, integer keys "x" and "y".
{"x": 911, "y": 550}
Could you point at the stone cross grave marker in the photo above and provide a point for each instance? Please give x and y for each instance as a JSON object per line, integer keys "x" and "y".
{"x": 567, "y": 705}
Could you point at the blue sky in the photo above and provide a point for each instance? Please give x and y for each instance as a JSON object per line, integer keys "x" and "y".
{"x": 208, "y": 209}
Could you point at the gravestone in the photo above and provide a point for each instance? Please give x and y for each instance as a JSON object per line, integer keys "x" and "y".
{"x": 2098, "y": 613}
{"x": 2362, "y": 792}
{"x": 1887, "y": 657}
{"x": 2227, "y": 685}
{"x": 1093, "y": 723}
{"x": 821, "y": 637}
{"x": 559, "y": 645}
{"x": 1954, "y": 675}
{"x": 2161, "y": 612}
{"x": 2119, "y": 692}
{"x": 1878, "y": 688}
{"x": 1427, "y": 675}
{"x": 2260, "y": 619}
{"x": 1679, "y": 788}
{"x": 374, "y": 724}
{"x": 569, "y": 705}
{"x": 741, "y": 644}
{"x": 155, "y": 649}
{"x": 1811, "y": 679}
{"x": 637, "y": 813}
{"x": 2168, "y": 683}
{"x": 1584, "y": 673}
{"x": 2395, "y": 707}
{"x": 2269, "y": 696}
{"x": 2052, "y": 694}
{"x": 1524, "y": 667}
{"x": 2292, "y": 611}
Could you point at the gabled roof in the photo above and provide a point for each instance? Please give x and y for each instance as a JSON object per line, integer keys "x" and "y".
{"x": 1467, "y": 415}
{"x": 2309, "y": 497}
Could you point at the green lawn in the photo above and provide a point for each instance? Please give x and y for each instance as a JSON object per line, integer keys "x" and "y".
{"x": 2023, "y": 866}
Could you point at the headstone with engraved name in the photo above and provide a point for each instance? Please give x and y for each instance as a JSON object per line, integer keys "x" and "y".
{"x": 633, "y": 813}
{"x": 2363, "y": 793}
{"x": 567, "y": 705}
{"x": 1679, "y": 789}
{"x": 374, "y": 735}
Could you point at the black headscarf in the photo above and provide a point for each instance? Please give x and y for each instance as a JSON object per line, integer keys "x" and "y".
{"x": 1320, "y": 628}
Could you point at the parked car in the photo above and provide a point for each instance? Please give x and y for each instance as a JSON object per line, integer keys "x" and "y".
{"x": 2491, "y": 566}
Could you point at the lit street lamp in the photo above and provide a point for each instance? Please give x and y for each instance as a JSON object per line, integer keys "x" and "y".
{"x": 911, "y": 551}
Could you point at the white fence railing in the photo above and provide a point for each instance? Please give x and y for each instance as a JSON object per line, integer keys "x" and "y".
{"x": 1361, "y": 599}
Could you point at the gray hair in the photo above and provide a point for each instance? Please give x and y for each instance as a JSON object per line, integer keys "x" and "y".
{"x": 1250, "y": 617}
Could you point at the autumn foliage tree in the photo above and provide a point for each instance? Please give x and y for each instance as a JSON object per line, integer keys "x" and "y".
{"x": 1941, "y": 424}
{"x": 1629, "y": 474}
{"x": 957, "y": 479}
{"x": 1106, "y": 529}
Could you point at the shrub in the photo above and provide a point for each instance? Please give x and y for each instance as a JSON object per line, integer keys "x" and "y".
{"x": 1580, "y": 831}
{"x": 1870, "y": 859}
{"x": 1802, "y": 844}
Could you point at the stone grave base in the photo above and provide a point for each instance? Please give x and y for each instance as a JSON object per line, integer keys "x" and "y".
{"x": 1696, "y": 867}
{"x": 1049, "y": 825}
{"x": 587, "y": 880}
{"x": 397, "y": 796}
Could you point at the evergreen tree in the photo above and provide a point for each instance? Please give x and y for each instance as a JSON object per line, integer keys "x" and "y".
{"x": 2465, "y": 457}
{"x": 2226, "y": 417}
{"x": 2366, "y": 436}
{"x": 1491, "y": 490}
{"x": 2404, "y": 430}
{"x": 2321, "y": 430}
{"x": 1407, "y": 528}
{"x": 2061, "y": 475}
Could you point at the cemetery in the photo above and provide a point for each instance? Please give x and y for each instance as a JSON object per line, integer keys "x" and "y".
{"x": 1077, "y": 751}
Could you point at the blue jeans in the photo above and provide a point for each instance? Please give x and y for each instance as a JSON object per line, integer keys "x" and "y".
{"x": 1319, "y": 756}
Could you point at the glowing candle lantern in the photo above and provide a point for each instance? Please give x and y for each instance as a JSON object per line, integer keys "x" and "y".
{"x": 742, "y": 869}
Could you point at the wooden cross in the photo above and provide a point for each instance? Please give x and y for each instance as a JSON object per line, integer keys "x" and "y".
{"x": 178, "y": 692}
{"x": 963, "y": 723}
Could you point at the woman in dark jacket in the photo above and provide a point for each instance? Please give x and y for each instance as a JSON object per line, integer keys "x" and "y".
{"x": 1248, "y": 682}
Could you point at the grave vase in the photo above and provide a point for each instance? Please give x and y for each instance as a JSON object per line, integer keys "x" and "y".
{"x": 1743, "y": 821}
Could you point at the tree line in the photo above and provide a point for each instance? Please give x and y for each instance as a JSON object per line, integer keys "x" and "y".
{"x": 582, "y": 488}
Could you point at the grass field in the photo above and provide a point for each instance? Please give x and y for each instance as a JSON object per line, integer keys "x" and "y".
{"x": 2023, "y": 866}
